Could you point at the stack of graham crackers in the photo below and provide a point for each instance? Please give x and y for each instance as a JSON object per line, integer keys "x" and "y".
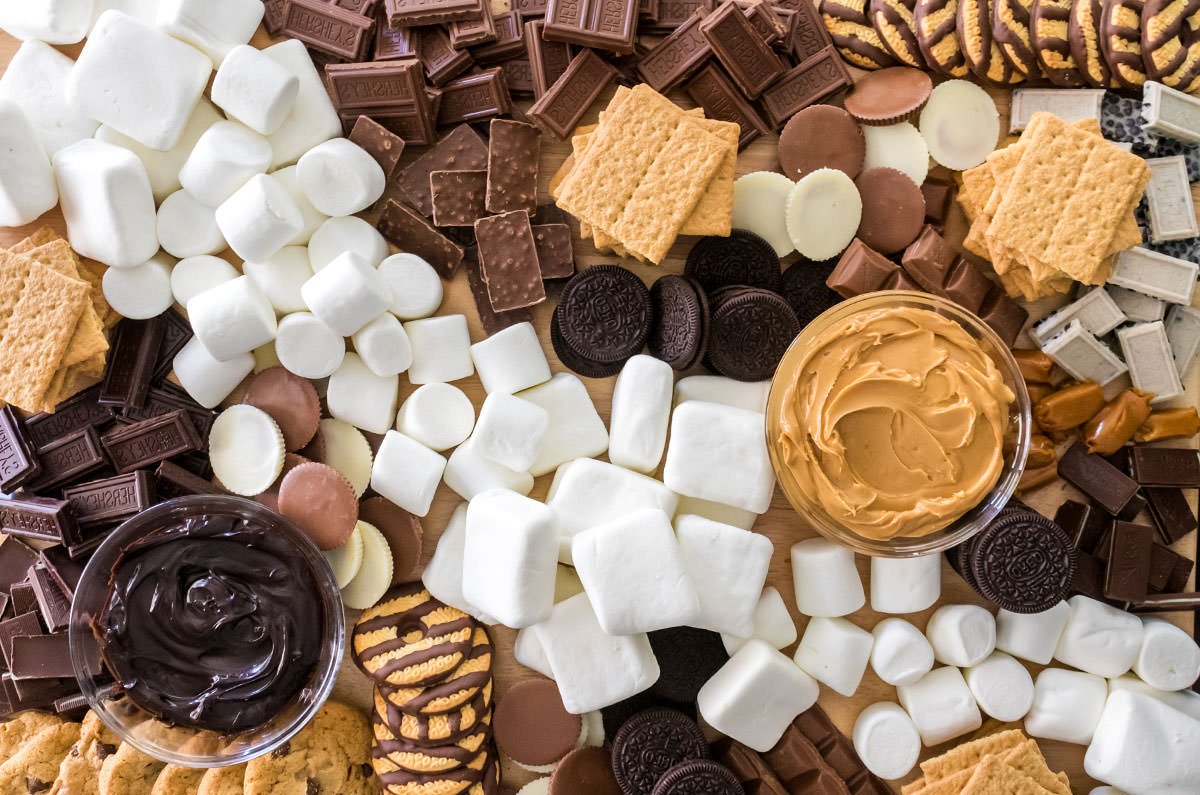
{"x": 647, "y": 173}
{"x": 52, "y": 320}
{"x": 1006, "y": 763}
{"x": 1053, "y": 208}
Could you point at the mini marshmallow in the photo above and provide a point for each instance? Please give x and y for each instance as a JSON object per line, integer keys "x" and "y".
{"x": 1002, "y": 687}
{"x": 311, "y": 219}
{"x": 407, "y": 472}
{"x": 528, "y": 651}
{"x": 307, "y": 347}
{"x": 905, "y": 585}
{"x": 280, "y": 277}
{"x": 214, "y": 26}
{"x": 1169, "y": 659}
{"x": 52, "y": 21}
{"x": 835, "y": 653}
{"x": 1033, "y": 636}
{"x": 770, "y": 622}
{"x": 193, "y": 275}
{"x": 729, "y": 566}
{"x": 255, "y": 89}
{"x": 961, "y": 635}
{"x": 509, "y": 360}
{"x": 941, "y": 705}
{"x": 259, "y": 218}
{"x": 441, "y": 349}
{"x": 826, "y": 579}
{"x": 1066, "y": 706}
{"x": 592, "y": 668}
{"x": 718, "y": 512}
{"x": 207, "y": 380}
{"x": 756, "y": 695}
{"x": 439, "y": 416}
{"x": 232, "y": 318}
{"x": 641, "y": 411}
{"x": 227, "y": 155}
{"x": 443, "y": 575}
{"x": 634, "y": 574}
{"x": 107, "y": 203}
{"x": 576, "y": 430}
{"x": 1142, "y": 745}
{"x": 313, "y": 118}
{"x": 510, "y": 430}
{"x": 749, "y": 395}
{"x": 1099, "y": 639}
{"x": 416, "y": 289}
{"x": 586, "y": 493}
{"x": 384, "y": 346}
{"x": 719, "y": 453}
{"x": 187, "y": 228}
{"x": 36, "y": 82}
{"x": 336, "y": 236}
{"x": 27, "y": 187}
{"x": 138, "y": 80}
{"x": 340, "y": 178}
{"x": 510, "y": 561}
{"x": 469, "y": 473}
{"x": 346, "y": 295}
{"x": 886, "y": 740}
{"x": 361, "y": 397}
{"x": 901, "y": 654}
{"x": 163, "y": 166}
{"x": 140, "y": 292}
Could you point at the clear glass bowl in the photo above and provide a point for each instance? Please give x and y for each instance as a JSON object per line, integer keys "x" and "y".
{"x": 185, "y": 745}
{"x": 1016, "y": 440}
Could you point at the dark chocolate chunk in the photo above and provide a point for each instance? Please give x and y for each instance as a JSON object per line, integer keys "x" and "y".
{"x": 651, "y": 743}
{"x": 176, "y": 332}
{"x": 69, "y": 458}
{"x": 458, "y": 197}
{"x": 131, "y": 362}
{"x": 572, "y": 94}
{"x": 405, "y": 229}
{"x": 1171, "y": 513}
{"x": 150, "y": 441}
{"x": 172, "y": 480}
{"x": 1023, "y": 562}
{"x": 168, "y": 397}
{"x": 111, "y": 499}
{"x": 21, "y": 625}
{"x": 1165, "y": 466}
{"x": 555, "y": 252}
{"x": 54, "y": 603}
{"x": 76, "y": 412}
{"x": 23, "y": 600}
{"x": 491, "y": 320}
{"x": 687, "y": 657}
{"x": 18, "y": 460}
{"x": 1169, "y": 571}
{"x": 679, "y": 330}
{"x": 41, "y": 657}
{"x": 508, "y": 261}
{"x": 1082, "y": 523}
{"x": 751, "y": 330}
{"x": 677, "y": 57}
{"x": 740, "y": 258}
{"x": 16, "y": 558}
{"x": 512, "y": 170}
{"x": 1003, "y": 314}
{"x": 968, "y": 287}
{"x": 1097, "y": 478}
{"x": 39, "y": 518}
{"x": 928, "y": 260}
{"x": 604, "y": 313}
{"x": 461, "y": 149}
{"x": 1127, "y": 571}
{"x": 65, "y": 571}
{"x": 665, "y": 16}
{"x": 379, "y": 142}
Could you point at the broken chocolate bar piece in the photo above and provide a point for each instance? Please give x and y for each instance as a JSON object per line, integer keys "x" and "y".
{"x": 405, "y": 229}
{"x": 712, "y": 90}
{"x": 470, "y": 32}
{"x": 15, "y": 560}
{"x": 461, "y": 149}
{"x": 54, "y": 603}
{"x": 547, "y": 59}
{"x": 1110, "y": 488}
{"x": 821, "y": 75}
{"x": 512, "y": 171}
{"x": 509, "y": 42}
{"x": 41, "y": 657}
{"x": 677, "y": 57}
{"x": 860, "y": 270}
{"x": 328, "y": 29}
{"x": 68, "y": 459}
{"x": 18, "y": 460}
{"x": 131, "y": 362}
{"x": 442, "y": 61}
{"x": 508, "y": 261}
{"x": 176, "y": 332}
{"x": 1171, "y": 513}
{"x": 1165, "y": 466}
{"x": 491, "y": 320}
{"x": 564, "y": 103}
{"x": 429, "y": 12}
{"x": 476, "y": 96}
{"x": 383, "y": 84}
{"x": 379, "y": 142}
{"x": 65, "y": 571}
{"x": 111, "y": 499}
{"x": 598, "y": 24}
{"x": 458, "y": 197}
{"x": 72, "y": 414}
{"x": 39, "y": 518}
{"x": 172, "y": 480}
{"x": 1127, "y": 568}
{"x": 23, "y": 624}
{"x": 150, "y": 441}
{"x": 555, "y": 253}
{"x": 747, "y": 58}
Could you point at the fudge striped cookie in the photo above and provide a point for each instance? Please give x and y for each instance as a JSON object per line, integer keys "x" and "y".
{"x": 448, "y": 727}
{"x": 1121, "y": 41}
{"x": 853, "y": 34}
{"x": 1010, "y": 27}
{"x": 893, "y": 21}
{"x": 429, "y": 758}
{"x": 1171, "y": 42}
{"x": 459, "y": 686}
{"x": 398, "y": 781}
{"x": 1048, "y": 30}
{"x": 982, "y": 52}
{"x": 411, "y": 639}
{"x": 937, "y": 21}
{"x": 1083, "y": 32}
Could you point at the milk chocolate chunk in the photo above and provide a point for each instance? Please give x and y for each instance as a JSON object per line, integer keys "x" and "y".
{"x": 1171, "y": 513}
{"x": 712, "y": 89}
{"x": 442, "y": 61}
{"x": 599, "y": 24}
{"x": 475, "y": 96}
{"x": 394, "y": 41}
{"x": 899, "y": 280}
{"x": 491, "y": 320}
{"x": 72, "y": 414}
{"x": 513, "y": 151}
{"x": 509, "y": 43}
{"x": 1069, "y": 407}
{"x": 938, "y": 196}
{"x": 150, "y": 441}
{"x": 379, "y": 142}
{"x": 328, "y": 29}
{"x": 547, "y": 59}
{"x": 1165, "y": 466}
{"x": 471, "y": 32}
{"x": 1111, "y": 489}
{"x": 111, "y": 499}
{"x": 383, "y": 84}
{"x": 860, "y": 270}
{"x": 555, "y": 252}
{"x": 131, "y": 362}
{"x": 18, "y": 460}
{"x": 928, "y": 259}
{"x": 1127, "y": 572}
{"x": 814, "y": 79}
{"x": 747, "y": 58}
{"x": 461, "y": 149}
{"x": 458, "y": 197}
{"x": 559, "y": 110}
{"x": 966, "y": 285}
{"x": 1003, "y": 314}
{"x": 424, "y": 12}
{"x": 1115, "y": 424}
{"x": 404, "y": 228}
{"x": 508, "y": 260}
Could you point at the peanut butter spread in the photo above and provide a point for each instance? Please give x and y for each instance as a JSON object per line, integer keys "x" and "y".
{"x": 894, "y": 422}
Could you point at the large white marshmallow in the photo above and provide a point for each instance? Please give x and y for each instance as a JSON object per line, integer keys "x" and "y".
{"x": 755, "y": 696}
{"x": 443, "y": 575}
{"x": 770, "y": 622}
{"x": 255, "y": 89}
{"x": 941, "y": 705}
{"x": 509, "y": 360}
{"x": 407, "y": 472}
{"x": 592, "y": 668}
{"x": 905, "y": 585}
{"x": 835, "y": 653}
{"x": 52, "y": 21}
{"x": 145, "y": 10}
{"x": 901, "y": 654}
{"x": 138, "y": 80}
{"x": 1066, "y": 706}
{"x": 224, "y": 159}
{"x": 313, "y": 119}
{"x": 510, "y": 560}
{"x": 641, "y": 412}
{"x": 346, "y": 295}
{"x": 826, "y": 579}
{"x": 214, "y": 26}
{"x": 187, "y": 228}
{"x": 27, "y": 187}
{"x": 634, "y": 574}
{"x": 441, "y": 349}
{"x": 1002, "y": 687}
{"x": 586, "y": 493}
{"x": 528, "y": 651}
{"x": 719, "y": 453}
{"x": 140, "y": 292}
{"x": 232, "y": 318}
{"x": 361, "y": 397}
{"x": 194, "y": 275}
{"x": 281, "y": 276}
{"x": 384, "y": 346}
{"x": 163, "y": 166}
{"x": 307, "y": 347}
{"x": 749, "y": 395}
{"x": 961, "y": 635}
{"x": 576, "y": 430}
{"x": 206, "y": 379}
{"x": 416, "y": 289}
{"x": 36, "y": 81}
{"x": 309, "y": 216}
{"x": 718, "y": 512}
{"x": 1169, "y": 659}
{"x": 1186, "y": 701}
{"x": 510, "y": 430}
{"x": 340, "y": 178}
{"x": 1032, "y": 636}
{"x": 439, "y": 416}
{"x": 886, "y": 740}
{"x": 729, "y": 566}
{"x": 337, "y": 236}
{"x": 259, "y": 218}
{"x": 1142, "y": 745}
{"x": 469, "y": 473}
{"x": 1099, "y": 639}
{"x": 107, "y": 203}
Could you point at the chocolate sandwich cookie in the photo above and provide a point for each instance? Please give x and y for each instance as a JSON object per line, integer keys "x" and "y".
{"x": 431, "y": 730}
{"x": 679, "y": 331}
{"x": 1023, "y": 562}
{"x": 575, "y": 361}
{"x": 604, "y": 313}
{"x": 1010, "y": 27}
{"x": 889, "y": 96}
{"x": 1083, "y": 33}
{"x": 937, "y": 22}
{"x": 1121, "y": 41}
{"x": 398, "y": 781}
{"x": 460, "y": 685}
{"x": 650, "y": 744}
{"x": 426, "y": 759}
{"x": 1048, "y": 30}
{"x": 983, "y": 54}
{"x": 411, "y": 639}
{"x": 698, "y": 777}
{"x": 805, "y": 290}
{"x": 751, "y": 330}
{"x": 740, "y": 258}
{"x": 853, "y": 34}
{"x": 1171, "y": 42}
{"x": 893, "y": 21}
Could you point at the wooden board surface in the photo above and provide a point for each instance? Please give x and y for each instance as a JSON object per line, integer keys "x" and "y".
{"x": 781, "y": 524}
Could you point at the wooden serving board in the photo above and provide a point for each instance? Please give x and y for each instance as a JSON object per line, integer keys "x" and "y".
{"x": 781, "y": 524}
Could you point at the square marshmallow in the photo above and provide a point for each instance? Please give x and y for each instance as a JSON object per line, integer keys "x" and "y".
{"x": 1066, "y": 706}
{"x": 36, "y": 80}
{"x": 718, "y": 512}
{"x": 941, "y": 705}
{"x": 441, "y": 348}
{"x": 528, "y": 651}
{"x": 835, "y": 653}
{"x": 407, "y": 472}
{"x": 719, "y": 453}
{"x": 443, "y": 576}
{"x": 1186, "y": 701}
{"x": 576, "y": 430}
{"x": 214, "y": 26}
{"x": 313, "y": 119}
{"x": 53, "y": 21}
{"x": 510, "y": 430}
{"x": 208, "y": 380}
{"x": 771, "y": 622}
{"x": 749, "y": 395}
{"x": 1142, "y": 745}
{"x": 510, "y": 360}
{"x": 27, "y": 187}
{"x": 729, "y": 567}
{"x": 641, "y": 412}
{"x": 360, "y": 397}
{"x": 468, "y": 473}
{"x": 1034, "y": 636}
{"x": 1098, "y": 638}
{"x": 255, "y": 89}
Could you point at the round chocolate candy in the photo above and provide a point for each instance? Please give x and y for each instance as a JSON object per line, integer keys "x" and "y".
{"x": 532, "y": 726}
{"x": 585, "y": 771}
{"x": 1023, "y": 562}
{"x": 290, "y": 400}
{"x": 893, "y": 209}
{"x": 821, "y": 136}
{"x": 889, "y": 96}
{"x": 650, "y": 744}
{"x": 322, "y": 503}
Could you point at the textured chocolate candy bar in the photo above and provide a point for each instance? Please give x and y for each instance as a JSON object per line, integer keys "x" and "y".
{"x": 1110, "y": 488}
{"x": 513, "y": 151}
{"x": 131, "y": 362}
{"x": 54, "y": 604}
{"x": 818, "y": 77}
{"x": 508, "y": 261}
{"x": 547, "y": 59}
{"x": 39, "y": 518}
{"x": 564, "y": 103}
{"x": 18, "y": 461}
{"x": 748, "y": 59}
{"x": 328, "y": 29}
{"x": 70, "y": 415}
{"x": 1165, "y": 466}
{"x": 394, "y": 41}
{"x": 665, "y": 16}
{"x": 491, "y": 320}
{"x": 555, "y": 252}
{"x": 442, "y": 61}
{"x": 458, "y": 197}
{"x": 111, "y": 499}
{"x": 461, "y": 149}
{"x": 1135, "y": 306}
{"x": 712, "y": 90}
{"x": 68, "y": 459}
{"x": 150, "y": 441}
{"x": 677, "y": 57}
{"x": 429, "y": 12}
{"x": 408, "y": 231}
{"x": 379, "y": 142}
{"x": 384, "y": 84}
{"x": 599, "y": 24}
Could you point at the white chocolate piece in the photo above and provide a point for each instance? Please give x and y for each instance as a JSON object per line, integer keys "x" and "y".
{"x": 193, "y": 275}
{"x": 255, "y": 89}
{"x": 1069, "y": 104}
{"x": 1170, "y": 112}
{"x": 416, "y": 286}
{"x": 886, "y": 740}
{"x": 1151, "y": 364}
{"x": 1135, "y": 306}
{"x": 407, "y": 472}
{"x": 1169, "y": 200}
{"x": 1183, "y": 332}
{"x": 313, "y": 118}
{"x": 469, "y": 473}
{"x": 361, "y": 397}
{"x": 227, "y": 155}
{"x": 1002, "y": 687}
{"x": 1168, "y": 278}
{"x": 280, "y": 277}
{"x": 444, "y": 574}
{"x": 822, "y": 213}
{"x": 899, "y": 146}
{"x": 140, "y": 292}
{"x": 941, "y": 705}
{"x": 510, "y": 560}
{"x": 960, "y": 124}
{"x": 528, "y": 651}
{"x": 213, "y": 26}
{"x": 441, "y": 349}
{"x": 206, "y": 379}
{"x": 1032, "y": 636}
{"x": 163, "y": 166}
{"x": 340, "y": 178}
{"x": 232, "y": 318}
{"x": 510, "y": 360}
{"x": 1098, "y": 310}
{"x": 259, "y": 218}
{"x": 641, "y": 412}
{"x": 346, "y": 560}
{"x": 576, "y": 430}
{"x": 438, "y": 416}
{"x": 187, "y": 228}
{"x": 245, "y": 447}
{"x": 756, "y": 695}
{"x": 539, "y": 786}
{"x": 1142, "y": 745}
{"x": 901, "y": 654}
{"x": 1066, "y": 706}
{"x": 346, "y": 295}
{"x": 383, "y": 346}
{"x": 36, "y": 81}
{"x": 138, "y": 80}
{"x": 307, "y": 347}
{"x": 337, "y": 236}
{"x": 347, "y": 451}
{"x": 52, "y": 21}
{"x": 835, "y": 653}
{"x": 905, "y": 585}
{"x": 719, "y": 453}
{"x": 749, "y": 395}
{"x": 717, "y": 512}
{"x": 1083, "y": 356}
{"x": 728, "y": 566}
{"x": 1169, "y": 659}
{"x": 593, "y": 727}
{"x": 758, "y": 202}
{"x": 27, "y": 187}
{"x": 510, "y": 430}
{"x": 826, "y": 579}
{"x": 1099, "y": 639}
{"x": 309, "y": 216}
{"x": 961, "y": 635}
{"x": 770, "y": 622}
{"x": 107, "y": 203}
{"x": 374, "y": 576}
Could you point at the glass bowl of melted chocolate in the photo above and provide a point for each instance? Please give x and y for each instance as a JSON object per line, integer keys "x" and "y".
{"x": 206, "y": 631}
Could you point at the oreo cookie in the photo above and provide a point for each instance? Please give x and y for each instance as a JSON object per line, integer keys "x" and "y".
{"x": 614, "y": 716}
{"x": 575, "y": 361}
{"x": 650, "y": 744}
{"x": 803, "y": 287}
{"x": 699, "y": 777}
{"x": 1023, "y": 562}
{"x": 742, "y": 258}
{"x": 679, "y": 329}
{"x": 687, "y": 658}
{"x": 751, "y": 330}
{"x": 604, "y": 314}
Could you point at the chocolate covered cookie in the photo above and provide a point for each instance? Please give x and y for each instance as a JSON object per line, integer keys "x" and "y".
{"x": 1083, "y": 34}
{"x": 650, "y": 744}
{"x": 1048, "y": 30}
{"x": 983, "y": 54}
{"x": 1023, "y": 562}
{"x": 398, "y": 781}
{"x": 404, "y": 755}
{"x": 1171, "y": 42}
{"x": 432, "y": 730}
{"x": 751, "y": 330}
{"x": 1010, "y": 27}
{"x": 1121, "y": 41}
{"x": 854, "y": 35}
{"x": 893, "y": 21}
{"x": 457, "y": 688}
{"x": 679, "y": 330}
{"x": 937, "y": 23}
{"x": 411, "y": 639}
